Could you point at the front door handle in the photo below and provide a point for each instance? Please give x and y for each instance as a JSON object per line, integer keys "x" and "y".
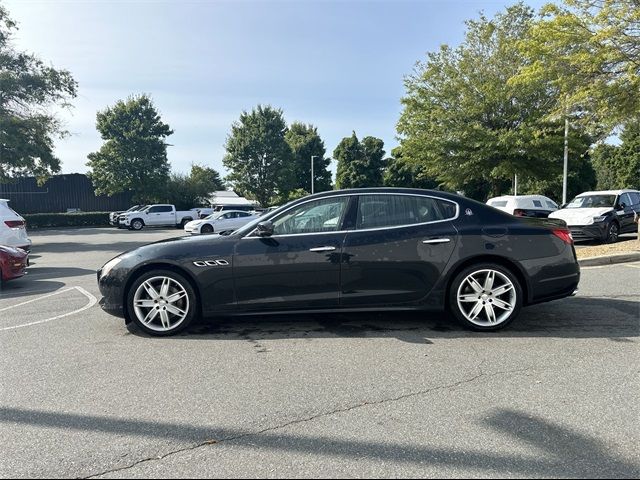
{"x": 433, "y": 241}
{"x": 322, "y": 249}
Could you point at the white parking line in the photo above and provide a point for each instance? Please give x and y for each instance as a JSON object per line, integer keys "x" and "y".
{"x": 92, "y": 301}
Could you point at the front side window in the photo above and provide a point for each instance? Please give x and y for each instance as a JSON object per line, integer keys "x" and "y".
{"x": 312, "y": 217}
{"x": 377, "y": 211}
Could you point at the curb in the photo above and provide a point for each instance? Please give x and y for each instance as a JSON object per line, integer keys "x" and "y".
{"x": 609, "y": 259}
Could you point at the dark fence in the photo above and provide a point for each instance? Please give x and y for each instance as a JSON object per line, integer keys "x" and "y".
{"x": 60, "y": 193}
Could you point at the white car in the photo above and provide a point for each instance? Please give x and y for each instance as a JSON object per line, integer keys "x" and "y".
{"x": 524, "y": 205}
{"x": 602, "y": 215}
{"x": 219, "y": 222}
{"x": 13, "y": 228}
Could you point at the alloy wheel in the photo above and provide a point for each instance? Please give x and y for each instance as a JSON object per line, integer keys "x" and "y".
{"x": 161, "y": 304}
{"x": 486, "y": 298}
{"x": 613, "y": 233}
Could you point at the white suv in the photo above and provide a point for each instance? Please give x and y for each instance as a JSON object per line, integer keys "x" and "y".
{"x": 524, "y": 205}
{"x": 13, "y": 228}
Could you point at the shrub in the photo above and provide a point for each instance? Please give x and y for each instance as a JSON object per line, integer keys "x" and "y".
{"x": 56, "y": 220}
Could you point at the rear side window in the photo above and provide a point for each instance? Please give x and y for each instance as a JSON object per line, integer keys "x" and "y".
{"x": 378, "y": 211}
{"x": 537, "y": 203}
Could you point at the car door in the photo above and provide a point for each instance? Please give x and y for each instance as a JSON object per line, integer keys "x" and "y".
{"x": 298, "y": 267}
{"x": 159, "y": 215}
{"x": 624, "y": 209}
{"x": 398, "y": 250}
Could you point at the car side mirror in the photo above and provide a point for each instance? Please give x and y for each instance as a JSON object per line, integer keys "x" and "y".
{"x": 265, "y": 229}
{"x": 622, "y": 206}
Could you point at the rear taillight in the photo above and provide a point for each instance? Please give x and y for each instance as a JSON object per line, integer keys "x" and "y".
{"x": 564, "y": 235}
{"x": 14, "y": 223}
{"x": 519, "y": 213}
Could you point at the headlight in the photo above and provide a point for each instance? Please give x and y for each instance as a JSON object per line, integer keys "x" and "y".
{"x": 601, "y": 218}
{"x": 110, "y": 265}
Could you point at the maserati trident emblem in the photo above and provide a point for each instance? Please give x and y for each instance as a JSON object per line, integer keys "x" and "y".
{"x": 468, "y": 212}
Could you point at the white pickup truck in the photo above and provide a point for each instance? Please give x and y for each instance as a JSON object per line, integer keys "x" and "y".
{"x": 159, "y": 215}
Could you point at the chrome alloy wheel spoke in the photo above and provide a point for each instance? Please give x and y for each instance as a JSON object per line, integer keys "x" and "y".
{"x": 486, "y": 297}
{"x": 161, "y": 303}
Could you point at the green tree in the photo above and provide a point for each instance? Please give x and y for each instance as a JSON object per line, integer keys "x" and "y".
{"x": 588, "y": 53}
{"x": 466, "y": 124}
{"x": 604, "y": 159}
{"x": 28, "y": 89}
{"x": 188, "y": 191}
{"x": 401, "y": 172}
{"x": 134, "y": 155}
{"x": 629, "y": 155}
{"x": 618, "y": 166}
{"x": 305, "y": 142}
{"x": 258, "y": 155}
{"x": 360, "y": 163}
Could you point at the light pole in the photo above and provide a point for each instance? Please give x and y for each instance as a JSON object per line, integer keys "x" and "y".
{"x": 312, "y": 157}
{"x": 566, "y": 160}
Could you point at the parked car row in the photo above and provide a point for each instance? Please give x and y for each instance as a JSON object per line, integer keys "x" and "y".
{"x": 600, "y": 215}
{"x": 15, "y": 244}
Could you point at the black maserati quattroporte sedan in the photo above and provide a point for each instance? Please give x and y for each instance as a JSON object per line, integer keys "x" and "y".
{"x": 350, "y": 250}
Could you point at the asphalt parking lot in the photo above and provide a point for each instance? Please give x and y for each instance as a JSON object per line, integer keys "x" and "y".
{"x": 393, "y": 395}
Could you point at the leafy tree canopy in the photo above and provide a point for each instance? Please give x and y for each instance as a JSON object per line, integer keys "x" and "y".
{"x": 618, "y": 166}
{"x": 588, "y": 53}
{"x": 28, "y": 89}
{"x": 193, "y": 190}
{"x": 401, "y": 172}
{"x": 258, "y": 155}
{"x": 134, "y": 155}
{"x": 464, "y": 122}
{"x": 360, "y": 163}
{"x": 305, "y": 142}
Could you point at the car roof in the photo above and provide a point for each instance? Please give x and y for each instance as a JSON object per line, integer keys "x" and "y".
{"x": 414, "y": 191}
{"x": 523, "y": 197}
{"x": 609, "y": 192}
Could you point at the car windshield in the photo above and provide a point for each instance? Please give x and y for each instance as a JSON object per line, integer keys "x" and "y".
{"x": 214, "y": 216}
{"x": 592, "y": 201}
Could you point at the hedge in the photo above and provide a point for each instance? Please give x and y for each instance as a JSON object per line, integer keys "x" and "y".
{"x": 56, "y": 220}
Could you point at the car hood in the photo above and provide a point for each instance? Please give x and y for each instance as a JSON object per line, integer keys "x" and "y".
{"x": 194, "y": 223}
{"x": 580, "y": 216}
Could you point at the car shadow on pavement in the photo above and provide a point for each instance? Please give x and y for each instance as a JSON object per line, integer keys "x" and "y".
{"x": 564, "y": 452}
{"x": 577, "y": 317}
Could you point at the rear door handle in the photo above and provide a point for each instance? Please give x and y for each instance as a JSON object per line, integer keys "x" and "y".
{"x": 433, "y": 241}
{"x": 322, "y": 249}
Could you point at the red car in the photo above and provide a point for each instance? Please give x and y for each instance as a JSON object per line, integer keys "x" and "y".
{"x": 13, "y": 263}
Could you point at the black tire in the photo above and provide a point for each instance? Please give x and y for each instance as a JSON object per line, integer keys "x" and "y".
{"x": 613, "y": 232}
{"x": 184, "y": 222}
{"x": 515, "y": 299}
{"x": 137, "y": 224}
{"x": 192, "y": 308}
{"x": 206, "y": 229}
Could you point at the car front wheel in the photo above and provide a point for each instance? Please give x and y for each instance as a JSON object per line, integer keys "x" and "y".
{"x": 485, "y": 297}
{"x": 612, "y": 233}
{"x": 206, "y": 229}
{"x": 137, "y": 225}
{"x": 162, "y": 303}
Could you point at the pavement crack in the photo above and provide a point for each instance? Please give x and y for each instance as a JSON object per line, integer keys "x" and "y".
{"x": 336, "y": 411}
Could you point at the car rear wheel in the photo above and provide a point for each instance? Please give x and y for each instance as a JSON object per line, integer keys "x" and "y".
{"x": 162, "y": 303}
{"x": 206, "y": 229}
{"x": 613, "y": 232}
{"x": 485, "y": 297}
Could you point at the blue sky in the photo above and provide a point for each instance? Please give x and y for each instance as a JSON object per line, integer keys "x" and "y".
{"x": 338, "y": 65}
